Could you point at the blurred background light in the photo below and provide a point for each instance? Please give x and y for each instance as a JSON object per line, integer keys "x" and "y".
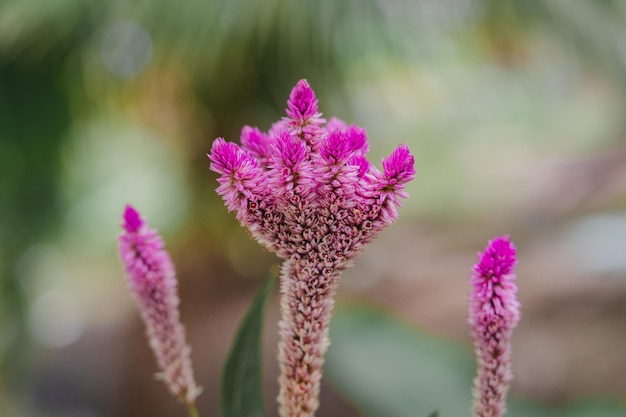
{"x": 55, "y": 319}
{"x": 598, "y": 243}
{"x": 126, "y": 49}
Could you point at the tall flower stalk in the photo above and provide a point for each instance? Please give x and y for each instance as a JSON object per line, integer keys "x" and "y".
{"x": 306, "y": 191}
{"x": 494, "y": 311}
{"x": 152, "y": 281}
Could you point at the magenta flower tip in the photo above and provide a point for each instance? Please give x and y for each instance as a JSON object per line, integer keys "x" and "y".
{"x": 362, "y": 163}
{"x": 357, "y": 138}
{"x": 254, "y": 140}
{"x": 335, "y": 124}
{"x": 291, "y": 150}
{"x": 225, "y": 156}
{"x": 497, "y": 260}
{"x": 132, "y": 220}
{"x": 399, "y": 167}
{"x": 302, "y": 102}
{"x": 336, "y": 148}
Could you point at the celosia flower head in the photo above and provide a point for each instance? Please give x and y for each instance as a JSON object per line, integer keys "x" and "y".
{"x": 303, "y": 165}
{"x": 306, "y": 191}
{"x": 494, "y": 312}
{"x": 152, "y": 281}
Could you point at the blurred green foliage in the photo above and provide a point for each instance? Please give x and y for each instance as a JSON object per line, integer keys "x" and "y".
{"x": 34, "y": 117}
{"x": 388, "y": 369}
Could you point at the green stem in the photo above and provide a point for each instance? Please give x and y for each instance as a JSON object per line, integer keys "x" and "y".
{"x": 193, "y": 411}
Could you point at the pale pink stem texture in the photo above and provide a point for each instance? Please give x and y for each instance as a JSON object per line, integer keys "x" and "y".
{"x": 306, "y": 191}
{"x": 494, "y": 311}
{"x": 152, "y": 281}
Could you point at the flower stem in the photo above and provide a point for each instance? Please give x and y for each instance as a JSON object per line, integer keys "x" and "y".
{"x": 193, "y": 411}
{"x": 306, "y": 311}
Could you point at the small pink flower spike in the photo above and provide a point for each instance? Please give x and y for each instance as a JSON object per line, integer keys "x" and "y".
{"x": 494, "y": 311}
{"x": 152, "y": 281}
{"x": 241, "y": 175}
{"x": 302, "y": 104}
{"x": 399, "y": 167}
{"x": 302, "y": 115}
{"x": 306, "y": 191}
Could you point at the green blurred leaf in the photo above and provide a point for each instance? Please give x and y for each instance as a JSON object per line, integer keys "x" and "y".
{"x": 434, "y": 414}
{"x": 242, "y": 390}
{"x": 389, "y": 369}
{"x": 584, "y": 408}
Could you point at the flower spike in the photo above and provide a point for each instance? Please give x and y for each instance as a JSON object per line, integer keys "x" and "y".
{"x": 336, "y": 149}
{"x": 399, "y": 166}
{"x": 241, "y": 175}
{"x": 303, "y": 120}
{"x": 315, "y": 200}
{"x": 302, "y": 104}
{"x": 494, "y": 311}
{"x": 357, "y": 137}
{"x": 152, "y": 281}
{"x": 132, "y": 220}
{"x": 256, "y": 142}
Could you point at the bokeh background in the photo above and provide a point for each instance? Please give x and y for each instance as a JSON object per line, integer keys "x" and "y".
{"x": 515, "y": 111}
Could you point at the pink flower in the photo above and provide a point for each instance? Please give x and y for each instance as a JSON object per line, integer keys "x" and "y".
{"x": 307, "y": 192}
{"x": 494, "y": 311}
{"x": 152, "y": 281}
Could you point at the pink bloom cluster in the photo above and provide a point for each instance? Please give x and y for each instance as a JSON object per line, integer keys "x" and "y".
{"x": 152, "y": 281}
{"x": 494, "y": 312}
{"x": 306, "y": 191}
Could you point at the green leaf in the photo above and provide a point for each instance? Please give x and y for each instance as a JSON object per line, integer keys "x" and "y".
{"x": 434, "y": 414}
{"x": 242, "y": 389}
{"x": 388, "y": 369}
